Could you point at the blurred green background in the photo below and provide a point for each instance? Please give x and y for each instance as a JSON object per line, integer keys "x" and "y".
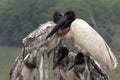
{"x": 19, "y": 17}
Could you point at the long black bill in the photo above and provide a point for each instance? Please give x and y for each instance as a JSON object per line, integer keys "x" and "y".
{"x": 55, "y": 65}
{"x": 58, "y": 26}
{"x": 71, "y": 66}
{"x": 57, "y": 62}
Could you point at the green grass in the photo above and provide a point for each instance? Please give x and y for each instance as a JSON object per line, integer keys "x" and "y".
{"x": 7, "y": 57}
{"x": 9, "y": 54}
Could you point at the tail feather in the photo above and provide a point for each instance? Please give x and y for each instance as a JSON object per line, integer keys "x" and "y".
{"x": 113, "y": 63}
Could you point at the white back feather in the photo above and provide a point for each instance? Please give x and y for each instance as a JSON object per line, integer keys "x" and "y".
{"x": 91, "y": 43}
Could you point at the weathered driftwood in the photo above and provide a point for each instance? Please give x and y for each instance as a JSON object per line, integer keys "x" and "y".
{"x": 34, "y": 45}
{"x": 41, "y": 68}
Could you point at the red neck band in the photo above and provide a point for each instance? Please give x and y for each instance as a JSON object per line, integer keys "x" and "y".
{"x": 65, "y": 31}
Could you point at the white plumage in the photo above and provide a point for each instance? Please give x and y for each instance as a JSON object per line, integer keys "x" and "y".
{"x": 87, "y": 40}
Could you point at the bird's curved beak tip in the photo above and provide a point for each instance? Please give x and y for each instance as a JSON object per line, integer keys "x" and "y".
{"x": 47, "y": 36}
{"x": 71, "y": 67}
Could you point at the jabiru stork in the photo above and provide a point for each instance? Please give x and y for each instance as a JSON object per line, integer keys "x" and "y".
{"x": 64, "y": 58}
{"x": 86, "y": 39}
{"x": 57, "y": 15}
{"x": 82, "y": 68}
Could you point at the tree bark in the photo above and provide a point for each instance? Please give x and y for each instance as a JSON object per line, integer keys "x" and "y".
{"x": 34, "y": 45}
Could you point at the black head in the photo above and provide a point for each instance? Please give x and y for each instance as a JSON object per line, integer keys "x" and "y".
{"x": 64, "y": 22}
{"x": 79, "y": 59}
{"x": 57, "y": 15}
{"x": 70, "y": 15}
{"x": 62, "y": 53}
